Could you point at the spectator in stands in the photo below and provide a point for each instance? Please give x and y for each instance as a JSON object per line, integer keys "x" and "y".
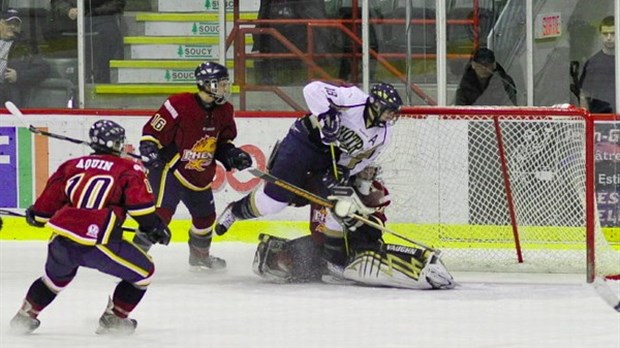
{"x": 103, "y": 20}
{"x": 597, "y": 81}
{"x": 20, "y": 68}
{"x": 279, "y": 71}
{"x": 485, "y": 82}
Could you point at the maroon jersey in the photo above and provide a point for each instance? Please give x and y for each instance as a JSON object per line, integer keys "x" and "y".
{"x": 88, "y": 196}
{"x": 194, "y": 133}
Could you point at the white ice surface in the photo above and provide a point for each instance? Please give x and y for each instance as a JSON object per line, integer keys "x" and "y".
{"x": 237, "y": 309}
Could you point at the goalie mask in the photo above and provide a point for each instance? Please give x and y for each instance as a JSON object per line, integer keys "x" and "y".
{"x": 384, "y": 104}
{"x": 213, "y": 79}
{"x": 107, "y": 136}
{"x": 371, "y": 190}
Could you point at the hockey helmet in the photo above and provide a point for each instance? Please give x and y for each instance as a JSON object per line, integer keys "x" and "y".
{"x": 384, "y": 105}
{"x": 213, "y": 79}
{"x": 107, "y": 136}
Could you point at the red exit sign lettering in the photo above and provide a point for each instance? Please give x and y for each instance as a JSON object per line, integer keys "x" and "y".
{"x": 548, "y": 25}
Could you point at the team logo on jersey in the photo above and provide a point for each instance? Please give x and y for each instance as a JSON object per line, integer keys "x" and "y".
{"x": 350, "y": 141}
{"x": 318, "y": 219}
{"x": 201, "y": 154}
{"x": 93, "y": 231}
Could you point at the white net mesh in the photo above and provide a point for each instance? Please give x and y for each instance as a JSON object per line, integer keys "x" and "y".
{"x": 446, "y": 177}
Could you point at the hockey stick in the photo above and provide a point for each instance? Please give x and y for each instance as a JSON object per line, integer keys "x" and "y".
{"x": 11, "y": 213}
{"x": 606, "y": 293}
{"x": 14, "y": 110}
{"x": 329, "y": 204}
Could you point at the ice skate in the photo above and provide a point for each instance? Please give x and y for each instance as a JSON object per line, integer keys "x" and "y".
{"x": 201, "y": 260}
{"x": 112, "y": 324}
{"x": 23, "y": 323}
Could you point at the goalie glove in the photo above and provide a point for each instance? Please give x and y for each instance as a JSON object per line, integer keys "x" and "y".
{"x": 150, "y": 155}
{"x": 238, "y": 159}
{"x": 347, "y": 203}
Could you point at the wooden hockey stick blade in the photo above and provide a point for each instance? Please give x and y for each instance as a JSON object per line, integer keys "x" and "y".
{"x": 15, "y": 111}
{"x": 329, "y": 204}
{"x": 606, "y": 293}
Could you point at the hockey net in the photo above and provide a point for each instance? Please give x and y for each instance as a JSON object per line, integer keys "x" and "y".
{"x": 499, "y": 189}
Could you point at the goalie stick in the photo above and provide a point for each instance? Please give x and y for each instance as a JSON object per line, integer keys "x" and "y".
{"x": 11, "y": 213}
{"x": 14, "y": 110}
{"x": 329, "y": 204}
{"x": 606, "y": 293}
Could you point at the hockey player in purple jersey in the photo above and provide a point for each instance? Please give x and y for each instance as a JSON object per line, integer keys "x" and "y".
{"x": 346, "y": 126}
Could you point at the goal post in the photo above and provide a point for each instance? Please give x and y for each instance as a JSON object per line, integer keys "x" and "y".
{"x": 504, "y": 189}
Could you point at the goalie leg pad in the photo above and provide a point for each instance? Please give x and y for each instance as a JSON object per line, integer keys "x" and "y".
{"x": 307, "y": 259}
{"x": 265, "y": 264}
{"x": 287, "y": 261}
{"x": 399, "y": 266}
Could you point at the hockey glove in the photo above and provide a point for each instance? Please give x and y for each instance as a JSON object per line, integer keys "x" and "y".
{"x": 330, "y": 126}
{"x": 159, "y": 234}
{"x": 238, "y": 158}
{"x": 347, "y": 203}
{"x": 329, "y": 179}
{"x": 31, "y": 219}
{"x": 150, "y": 155}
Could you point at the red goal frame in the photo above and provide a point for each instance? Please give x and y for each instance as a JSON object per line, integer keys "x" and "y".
{"x": 538, "y": 113}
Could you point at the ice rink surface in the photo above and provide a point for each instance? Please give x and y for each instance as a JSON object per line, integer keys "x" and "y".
{"x": 237, "y": 309}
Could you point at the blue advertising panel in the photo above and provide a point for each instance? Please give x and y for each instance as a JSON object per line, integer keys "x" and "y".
{"x": 8, "y": 167}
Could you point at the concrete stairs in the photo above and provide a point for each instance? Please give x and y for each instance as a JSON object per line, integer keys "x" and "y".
{"x": 163, "y": 48}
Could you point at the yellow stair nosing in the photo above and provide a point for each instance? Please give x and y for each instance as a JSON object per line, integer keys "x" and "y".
{"x": 190, "y": 17}
{"x": 168, "y": 64}
{"x": 175, "y": 40}
{"x": 137, "y": 88}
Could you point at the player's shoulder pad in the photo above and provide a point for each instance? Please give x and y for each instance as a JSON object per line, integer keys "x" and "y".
{"x": 181, "y": 97}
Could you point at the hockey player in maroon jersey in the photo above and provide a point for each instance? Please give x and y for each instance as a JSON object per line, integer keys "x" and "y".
{"x": 182, "y": 141}
{"x": 85, "y": 203}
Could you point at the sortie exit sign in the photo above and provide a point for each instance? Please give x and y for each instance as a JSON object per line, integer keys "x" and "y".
{"x": 548, "y": 25}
